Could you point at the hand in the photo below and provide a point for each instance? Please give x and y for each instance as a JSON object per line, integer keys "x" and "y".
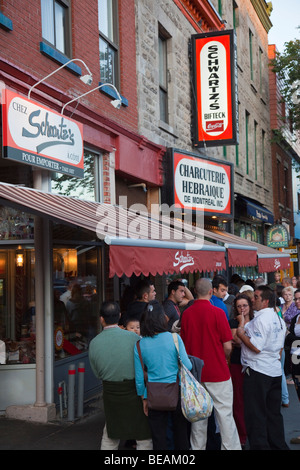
{"x": 145, "y": 406}
{"x": 241, "y": 320}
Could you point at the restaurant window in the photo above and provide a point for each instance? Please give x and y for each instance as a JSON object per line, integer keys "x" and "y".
{"x": 76, "y": 300}
{"x": 17, "y": 306}
{"x": 247, "y": 231}
{"x": 108, "y": 41}
{"x": 89, "y": 187}
{"x": 56, "y": 24}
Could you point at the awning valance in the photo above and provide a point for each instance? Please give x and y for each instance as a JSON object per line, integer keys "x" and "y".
{"x": 129, "y": 256}
{"x": 267, "y": 259}
{"x": 239, "y": 252}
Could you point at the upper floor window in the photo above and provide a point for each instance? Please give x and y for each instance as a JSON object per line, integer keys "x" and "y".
{"x": 88, "y": 188}
{"x": 163, "y": 79}
{"x": 251, "y": 53}
{"x": 108, "y": 41}
{"x": 56, "y": 24}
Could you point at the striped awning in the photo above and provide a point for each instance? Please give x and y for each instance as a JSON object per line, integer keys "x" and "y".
{"x": 137, "y": 243}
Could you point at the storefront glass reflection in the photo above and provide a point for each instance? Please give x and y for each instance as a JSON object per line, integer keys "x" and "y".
{"x": 15, "y": 224}
{"x": 75, "y": 299}
{"x": 75, "y": 302}
{"x": 17, "y": 306}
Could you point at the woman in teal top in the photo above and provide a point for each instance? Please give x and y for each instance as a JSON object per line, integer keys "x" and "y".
{"x": 160, "y": 357}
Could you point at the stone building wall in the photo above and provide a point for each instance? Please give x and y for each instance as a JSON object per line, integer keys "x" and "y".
{"x": 153, "y": 16}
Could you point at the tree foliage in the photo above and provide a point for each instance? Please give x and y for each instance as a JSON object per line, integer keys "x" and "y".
{"x": 287, "y": 67}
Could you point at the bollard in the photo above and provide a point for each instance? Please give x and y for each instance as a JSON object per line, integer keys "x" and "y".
{"x": 62, "y": 395}
{"x": 81, "y": 371}
{"x": 60, "y": 391}
{"x": 71, "y": 393}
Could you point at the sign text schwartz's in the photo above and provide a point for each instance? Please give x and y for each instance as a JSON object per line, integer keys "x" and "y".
{"x": 38, "y": 136}
{"x": 215, "y": 105}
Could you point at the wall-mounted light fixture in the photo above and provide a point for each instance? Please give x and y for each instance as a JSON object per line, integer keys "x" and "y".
{"x": 19, "y": 260}
{"x": 115, "y": 103}
{"x": 87, "y": 79}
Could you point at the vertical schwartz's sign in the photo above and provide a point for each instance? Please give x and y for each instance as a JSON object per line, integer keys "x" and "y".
{"x": 215, "y": 120}
{"x": 202, "y": 185}
{"x": 38, "y": 136}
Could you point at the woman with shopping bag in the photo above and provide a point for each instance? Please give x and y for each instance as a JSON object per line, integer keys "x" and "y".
{"x": 157, "y": 371}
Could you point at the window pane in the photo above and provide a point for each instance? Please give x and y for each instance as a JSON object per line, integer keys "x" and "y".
{"x": 75, "y": 298}
{"x": 162, "y": 62}
{"x": 17, "y": 307}
{"x": 88, "y": 188}
{"x": 60, "y": 28}
{"x": 47, "y": 20}
{"x": 105, "y": 18}
{"x": 107, "y": 62}
{"x": 163, "y": 103}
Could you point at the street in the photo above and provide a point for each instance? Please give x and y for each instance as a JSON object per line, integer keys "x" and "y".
{"x": 85, "y": 434}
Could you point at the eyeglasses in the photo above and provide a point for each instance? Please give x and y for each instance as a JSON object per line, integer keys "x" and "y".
{"x": 297, "y": 299}
{"x": 242, "y": 306}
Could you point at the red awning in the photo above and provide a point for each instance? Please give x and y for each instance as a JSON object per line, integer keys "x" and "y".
{"x": 250, "y": 253}
{"x": 241, "y": 256}
{"x": 149, "y": 260}
{"x": 270, "y": 263}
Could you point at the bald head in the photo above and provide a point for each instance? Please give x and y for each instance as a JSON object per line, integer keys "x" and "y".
{"x": 203, "y": 288}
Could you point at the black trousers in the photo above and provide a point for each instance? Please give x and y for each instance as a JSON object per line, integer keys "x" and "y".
{"x": 263, "y": 418}
{"x": 159, "y": 422}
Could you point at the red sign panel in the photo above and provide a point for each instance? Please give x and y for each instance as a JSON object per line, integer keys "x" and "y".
{"x": 215, "y": 92}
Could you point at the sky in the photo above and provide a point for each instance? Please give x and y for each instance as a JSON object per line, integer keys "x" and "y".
{"x": 285, "y": 18}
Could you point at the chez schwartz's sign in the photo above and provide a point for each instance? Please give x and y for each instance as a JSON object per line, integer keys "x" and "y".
{"x": 38, "y": 136}
{"x": 215, "y": 103}
{"x": 201, "y": 184}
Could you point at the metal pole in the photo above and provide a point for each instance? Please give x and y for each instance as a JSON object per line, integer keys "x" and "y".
{"x": 60, "y": 392}
{"x": 71, "y": 392}
{"x": 81, "y": 371}
{"x": 39, "y": 312}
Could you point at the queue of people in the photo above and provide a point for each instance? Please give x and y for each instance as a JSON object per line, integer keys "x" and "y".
{"x": 240, "y": 344}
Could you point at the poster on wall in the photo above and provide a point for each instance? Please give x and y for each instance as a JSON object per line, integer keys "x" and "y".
{"x": 38, "y": 136}
{"x": 215, "y": 97}
{"x": 202, "y": 184}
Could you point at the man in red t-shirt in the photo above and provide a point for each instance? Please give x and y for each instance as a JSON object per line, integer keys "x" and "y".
{"x": 206, "y": 334}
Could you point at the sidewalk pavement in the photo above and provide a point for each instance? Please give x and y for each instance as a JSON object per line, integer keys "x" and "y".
{"x": 85, "y": 433}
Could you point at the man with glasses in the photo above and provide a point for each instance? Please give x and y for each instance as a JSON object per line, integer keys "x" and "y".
{"x": 262, "y": 342}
